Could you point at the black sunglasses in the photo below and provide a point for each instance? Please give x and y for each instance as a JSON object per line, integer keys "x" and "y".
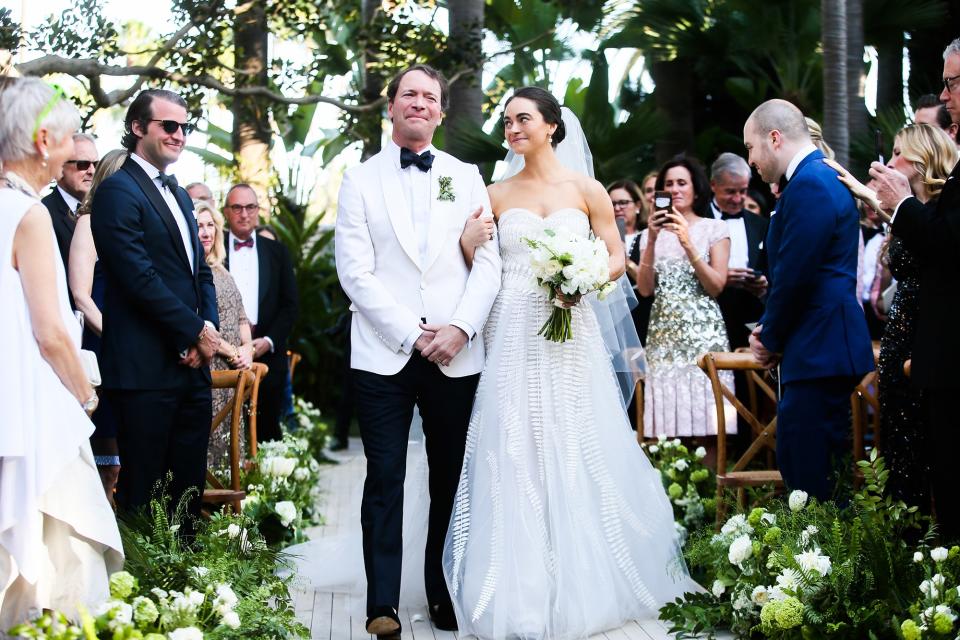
{"x": 83, "y": 165}
{"x": 171, "y": 126}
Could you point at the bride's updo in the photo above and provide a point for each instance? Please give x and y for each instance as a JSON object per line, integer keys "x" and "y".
{"x": 547, "y": 105}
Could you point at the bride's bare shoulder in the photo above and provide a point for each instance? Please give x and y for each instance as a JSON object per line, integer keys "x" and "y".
{"x": 499, "y": 193}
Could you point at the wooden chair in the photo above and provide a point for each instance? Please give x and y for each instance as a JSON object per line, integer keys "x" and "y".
{"x": 865, "y": 409}
{"x": 259, "y": 370}
{"x": 638, "y": 417}
{"x": 293, "y": 359}
{"x": 907, "y": 367}
{"x": 742, "y": 475}
{"x": 242, "y": 384}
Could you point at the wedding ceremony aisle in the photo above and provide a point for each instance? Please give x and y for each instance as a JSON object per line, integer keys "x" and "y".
{"x": 328, "y": 615}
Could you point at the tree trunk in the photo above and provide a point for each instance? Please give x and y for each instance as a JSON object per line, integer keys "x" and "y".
{"x": 673, "y": 97}
{"x": 890, "y": 76}
{"x": 856, "y": 73}
{"x": 370, "y": 124}
{"x": 465, "y": 113}
{"x": 251, "y": 117}
{"x": 833, "y": 17}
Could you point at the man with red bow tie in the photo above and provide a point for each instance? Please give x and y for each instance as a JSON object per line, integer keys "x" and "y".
{"x": 264, "y": 274}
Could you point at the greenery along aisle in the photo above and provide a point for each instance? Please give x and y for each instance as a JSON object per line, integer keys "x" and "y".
{"x": 802, "y": 569}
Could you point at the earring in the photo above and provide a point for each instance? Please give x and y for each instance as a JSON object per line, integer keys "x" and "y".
{"x": 46, "y": 156}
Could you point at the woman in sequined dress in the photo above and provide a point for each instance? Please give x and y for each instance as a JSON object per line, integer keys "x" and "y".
{"x": 926, "y": 155}
{"x": 683, "y": 260}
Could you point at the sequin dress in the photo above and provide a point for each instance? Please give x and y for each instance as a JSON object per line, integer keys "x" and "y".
{"x": 230, "y": 311}
{"x": 901, "y": 420}
{"x": 685, "y": 322}
{"x": 561, "y": 528}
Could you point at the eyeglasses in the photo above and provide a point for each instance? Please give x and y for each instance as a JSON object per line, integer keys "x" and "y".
{"x": 240, "y": 208}
{"x": 950, "y": 83}
{"x": 58, "y": 95}
{"x": 171, "y": 126}
{"x": 83, "y": 165}
{"x": 623, "y": 203}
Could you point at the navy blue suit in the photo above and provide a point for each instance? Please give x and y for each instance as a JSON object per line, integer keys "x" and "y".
{"x": 154, "y": 308}
{"x": 813, "y": 319}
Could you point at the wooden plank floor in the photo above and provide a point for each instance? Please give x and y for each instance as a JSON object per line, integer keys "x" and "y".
{"x": 328, "y": 615}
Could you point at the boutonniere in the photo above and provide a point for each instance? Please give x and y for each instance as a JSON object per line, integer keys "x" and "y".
{"x": 446, "y": 189}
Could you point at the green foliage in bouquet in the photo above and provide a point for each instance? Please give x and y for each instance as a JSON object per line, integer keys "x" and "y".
{"x": 281, "y": 490}
{"x": 310, "y": 425}
{"x": 690, "y": 484}
{"x": 803, "y": 569}
{"x": 933, "y": 613}
{"x": 220, "y": 585}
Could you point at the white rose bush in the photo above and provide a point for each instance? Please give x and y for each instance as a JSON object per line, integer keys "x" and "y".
{"x": 796, "y": 568}
{"x": 690, "y": 485}
{"x": 572, "y": 265}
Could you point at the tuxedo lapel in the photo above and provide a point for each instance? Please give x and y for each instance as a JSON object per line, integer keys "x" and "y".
{"x": 226, "y": 250}
{"x": 438, "y": 209}
{"x": 264, "y": 271}
{"x": 160, "y": 205}
{"x": 398, "y": 209}
{"x": 186, "y": 208}
{"x": 754, "y": 228}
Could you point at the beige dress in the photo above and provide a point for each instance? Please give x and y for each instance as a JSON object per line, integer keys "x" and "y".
{"x": 230, "y": 310}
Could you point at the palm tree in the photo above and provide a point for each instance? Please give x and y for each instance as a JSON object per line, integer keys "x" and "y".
{"x": 465, "y": 47}
{"x": 833, "y": 15}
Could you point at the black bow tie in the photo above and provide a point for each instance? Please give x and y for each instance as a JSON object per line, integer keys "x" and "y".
{"x": 170, "y": 182}
{"x": 731, "y": 216}
{"x": 423, "y": 161}
{"x": 783, "y": 182}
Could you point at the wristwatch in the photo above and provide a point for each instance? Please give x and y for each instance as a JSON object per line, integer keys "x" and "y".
{"x": 91, "y": 403}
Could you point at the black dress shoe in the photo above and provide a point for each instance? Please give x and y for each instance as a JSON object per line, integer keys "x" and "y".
{"x": 442, "y": 617}
{"x": 384, "y": 622}
{"x": 339, "y": 444}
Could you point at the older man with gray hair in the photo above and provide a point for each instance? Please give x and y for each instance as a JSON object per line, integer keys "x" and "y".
{"x": 72, "y": 186}
{"x": 932, "y": 231}
{"x": 740, "y": 301}
{"x": 813, "y": 326}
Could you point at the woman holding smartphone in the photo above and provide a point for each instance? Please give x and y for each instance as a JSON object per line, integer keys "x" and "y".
{"x": 683, "y": 259}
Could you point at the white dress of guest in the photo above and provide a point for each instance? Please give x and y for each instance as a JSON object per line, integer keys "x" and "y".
{"x": 58, "y": 536}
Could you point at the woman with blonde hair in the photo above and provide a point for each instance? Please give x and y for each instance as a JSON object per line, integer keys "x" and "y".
{"x": 926, "y": 155}
{"x": 58, "y": 536}
{"x": 87, "y": 284}
{"x": 236, "y": 338}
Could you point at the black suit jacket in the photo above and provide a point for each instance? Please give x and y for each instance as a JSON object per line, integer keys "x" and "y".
{"x": 737, "y": 305}
{"x": 932, "y": 233}
{"x": 63, "y": 223}
{"x": 278, "y": 300}
{"x": 155, "y": 305}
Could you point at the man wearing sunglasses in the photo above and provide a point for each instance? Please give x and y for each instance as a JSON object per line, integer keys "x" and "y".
{"x": 160, "y": 308}
{"x": 73, "y": 185}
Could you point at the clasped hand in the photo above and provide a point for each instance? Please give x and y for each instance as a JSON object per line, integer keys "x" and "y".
{"x": 440, "y": 343}
{"x": 761, "y": 354}
{"x": 203, "y": 351}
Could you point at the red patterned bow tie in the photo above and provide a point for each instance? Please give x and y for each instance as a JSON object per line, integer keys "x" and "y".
{"x": 240, "y": 244}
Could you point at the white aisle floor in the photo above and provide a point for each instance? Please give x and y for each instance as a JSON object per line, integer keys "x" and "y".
{"x": 327, "y": 614}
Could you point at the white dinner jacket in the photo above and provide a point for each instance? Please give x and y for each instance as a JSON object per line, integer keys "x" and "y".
{"x": 378, "y": 263}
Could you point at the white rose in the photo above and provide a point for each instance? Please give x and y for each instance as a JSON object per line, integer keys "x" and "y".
{"x": 718, "y": 588}
{"x": 760, "y": 595}
{"x": 740, "y": 550}
{"x": 231, "y": 619}
{"x": 700, "y": 453}
{"x": 226, "y": 598}
{"x": 287, "y": 512}
{"x": 654, "y": 448}
{"x": 301, "y": 474}
{"x": 797, "y": 500}
{"x": 918, "y": 557}
{"x": 187, "y": 633}
{"x": 680, "y": 465}
{"x": 233, "y": 530}
{"x": 939, "y": 554}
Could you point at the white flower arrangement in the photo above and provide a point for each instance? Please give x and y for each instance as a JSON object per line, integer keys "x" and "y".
{"x": 813, "y": 561}
{"x": 797, "y": 500}
{"x": 740, "y": 550}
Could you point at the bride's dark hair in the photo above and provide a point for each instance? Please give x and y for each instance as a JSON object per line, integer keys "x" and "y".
{"x": 547, "y": 105}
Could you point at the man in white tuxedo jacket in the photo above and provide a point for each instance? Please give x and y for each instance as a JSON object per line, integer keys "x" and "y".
{"x": 418, "y": 311}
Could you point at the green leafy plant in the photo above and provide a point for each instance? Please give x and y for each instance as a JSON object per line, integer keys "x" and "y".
{"x": 690, "y": 484}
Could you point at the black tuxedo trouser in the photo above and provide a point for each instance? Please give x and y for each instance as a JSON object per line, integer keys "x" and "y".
{"x": 384, "y": 411}
{"x": 813, "y": 433}
{"x": 160, "y": 431}
{"x": 270, "y": 405}
{"x": 943, "y": 441}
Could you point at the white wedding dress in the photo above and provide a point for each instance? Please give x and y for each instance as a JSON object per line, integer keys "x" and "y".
{"x": 561, "y": 527}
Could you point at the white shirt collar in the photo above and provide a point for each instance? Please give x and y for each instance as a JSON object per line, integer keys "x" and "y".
{"x": 798, "y": 158}
{"x": 231, "y": 238}
{"x": 393, "y": 149}
{"x": 152, "y": 171}
{"x": 72, "y": 203}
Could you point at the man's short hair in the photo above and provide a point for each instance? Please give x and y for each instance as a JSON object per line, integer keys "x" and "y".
{"x": 241, "y": 185}
{"x": 141, "y": 110}
{"x": 782, "y": 116}
{"x": 77, "y": 137}
{"x": 926, "y": 101}
{"x": 394, "y": 85}
{"x": 952, "y": 49}
{"x": 729, "y": 164}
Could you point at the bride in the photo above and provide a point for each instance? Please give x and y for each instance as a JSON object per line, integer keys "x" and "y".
{"x": 561, "y": 527}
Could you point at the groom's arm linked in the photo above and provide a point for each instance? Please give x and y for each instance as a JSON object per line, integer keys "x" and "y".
{"x": 808, "y": 221}
{"x": 120, "y": 240}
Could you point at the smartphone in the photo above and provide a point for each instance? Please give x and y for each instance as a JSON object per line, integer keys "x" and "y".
{"x": 662, "y": 200}
{"x": 878, "y": 145}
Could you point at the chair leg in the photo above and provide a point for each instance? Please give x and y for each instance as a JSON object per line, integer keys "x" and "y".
{"x": 721, "y": 508}
{"x": 742, "y": 498}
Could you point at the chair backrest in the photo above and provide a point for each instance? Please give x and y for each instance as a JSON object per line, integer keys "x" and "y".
{"x": 258, "y": 370}
{"x": 293, "y": 358}
{"x": 764, "y": 433}
{"x": 242, "y": 384}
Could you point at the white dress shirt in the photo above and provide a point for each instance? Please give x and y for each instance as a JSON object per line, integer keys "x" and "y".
{"x": 739, "y": 252}
{"x": 72, "y": 203}
{"x": 798, "y": 158}
{"x": 416, "y": 187}
{"x": 245, "y": 269}
{"x": 178, "y": 215}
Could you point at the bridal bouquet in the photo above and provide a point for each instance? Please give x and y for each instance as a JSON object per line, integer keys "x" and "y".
{"x": 568, "y": 264}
